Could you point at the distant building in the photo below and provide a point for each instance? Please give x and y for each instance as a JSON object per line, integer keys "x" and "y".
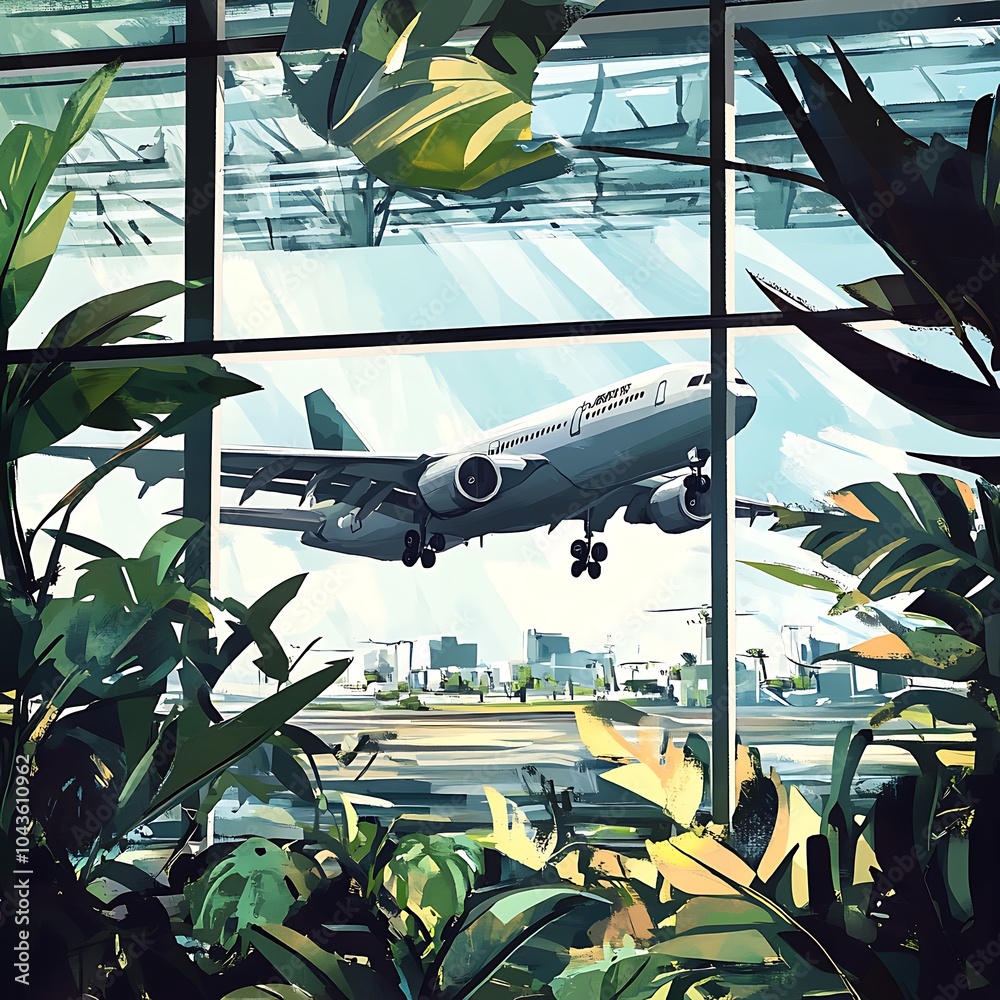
{"x": 434, "y": 660}
{"x": 550, "y": 655}
{"x": 542, "y": 646}
{"x": 381, "y": 665}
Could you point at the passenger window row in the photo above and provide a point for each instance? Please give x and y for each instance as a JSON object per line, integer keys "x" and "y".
{"x": 504, "y": 445}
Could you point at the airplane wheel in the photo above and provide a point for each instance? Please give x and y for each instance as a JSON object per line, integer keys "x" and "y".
{"x": 410, "y": 557}
{"x": 428, "y": 558}
{"x": 578, "y": 567}
{"x": 704, "y": 484}
{"x": 691, "y": 499}
{"x": 437, "y": 542}
{"x": 579, "y": 550}
{"x": 594, "y": 569}
{"x": 411, "y": 540}
{"x": 599, "y": 552}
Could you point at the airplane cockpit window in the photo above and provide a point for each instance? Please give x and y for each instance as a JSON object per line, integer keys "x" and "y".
{"x": 741, "y": 381}
{"x": 695, "y": 381}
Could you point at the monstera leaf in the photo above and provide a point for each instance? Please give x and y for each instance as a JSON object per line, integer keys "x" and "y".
{"x": 249, "y": 888}
{"x": 119, "y": 625}
{"x": 430, "y": 877}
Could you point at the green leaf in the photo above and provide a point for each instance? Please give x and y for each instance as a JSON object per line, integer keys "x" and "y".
{"x": 245, "y": 889}
{"x": 255, "y": 626}
{"x": 431, "y": 876}
{"x": 121, "y": 620}
{"x": 923, "y": 652}
{"x": 291, "y": 774}
{"x": 33, "y": 254}
{"x": 196, "y": 384}
{"x": 95, "y": 322}
{"x": 788, "y": 574}
{"x": 893, "y": 294}
{"x": 210, "y": 751}
{"x": 271, "y": 991}
{"x": 164, "y": 547}
{"x": 29, "y": 155}
{"x": 944, "y": 706}
{"x": 322, "y": 973}
{"x": 83, "y": 544}
{"x": 899, "y": 541}
{"x": 495, "y": 929}
{"x": 65, "y": 406}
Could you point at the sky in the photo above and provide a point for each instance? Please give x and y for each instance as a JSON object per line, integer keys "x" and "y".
{"x": 817, "y": 427}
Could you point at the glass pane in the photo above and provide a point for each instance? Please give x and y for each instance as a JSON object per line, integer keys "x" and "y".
{"x": 821, "y": 429}
{"x": 256, "y": 17}
{"x": 927, "y": 77}
{"x": 127, "y": 222}
{"x": 317, "y": 243}
{"x": 505, "y": 601}
{"x": 50, "y": 25}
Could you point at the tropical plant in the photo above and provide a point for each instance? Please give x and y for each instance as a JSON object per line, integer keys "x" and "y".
{"x": 84, "y": 676}
{"x": 805, "y": 895}
{"x": 417, "y": 110}
{"x": 933, "y": 208}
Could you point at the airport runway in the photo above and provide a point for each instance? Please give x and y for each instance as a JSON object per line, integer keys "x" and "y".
{"x": 430, "y": 767}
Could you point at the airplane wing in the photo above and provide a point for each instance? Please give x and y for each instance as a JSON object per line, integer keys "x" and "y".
{"x": 278, "y": 470}
{"x": 752, "y": 509}
{"x": 634, "y": 496}
{"x": 323, "y": 474}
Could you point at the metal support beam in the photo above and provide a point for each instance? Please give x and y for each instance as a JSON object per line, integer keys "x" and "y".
{"x": 722, "y": 133}
{"x": 202, "y": 259}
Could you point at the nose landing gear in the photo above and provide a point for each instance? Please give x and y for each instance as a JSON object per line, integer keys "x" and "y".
{"x": 587, "y": 554}
{"x": 415, "y": 550}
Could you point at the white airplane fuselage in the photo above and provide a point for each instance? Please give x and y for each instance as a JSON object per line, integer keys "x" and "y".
{"x": 631, "y": 430}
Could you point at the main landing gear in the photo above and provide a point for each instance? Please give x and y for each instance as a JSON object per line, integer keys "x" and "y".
{"x": 696, "y": 484}
{"x": 587, "y": 554}
{"x": 415, "y": 550}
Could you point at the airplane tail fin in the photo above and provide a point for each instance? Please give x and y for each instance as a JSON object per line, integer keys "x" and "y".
{"x": 328, "y": 427}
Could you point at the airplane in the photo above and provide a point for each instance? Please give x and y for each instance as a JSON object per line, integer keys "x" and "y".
{"x": 639, "y": 444}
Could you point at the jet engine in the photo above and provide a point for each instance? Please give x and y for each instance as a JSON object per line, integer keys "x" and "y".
{"x": 674, "y": 507}
{"x": 457, "y": 483}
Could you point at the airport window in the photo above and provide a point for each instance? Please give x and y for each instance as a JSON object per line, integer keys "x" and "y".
{"x": 334, "y": 252}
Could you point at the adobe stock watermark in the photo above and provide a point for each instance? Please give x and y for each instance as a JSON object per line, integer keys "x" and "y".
{"x": 22, "y": 873}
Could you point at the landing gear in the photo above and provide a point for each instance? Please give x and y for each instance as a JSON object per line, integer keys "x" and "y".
{"x": 416, "y": 551}
{"x": 696, "y": 484}
{"x": 587, "y": 554}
